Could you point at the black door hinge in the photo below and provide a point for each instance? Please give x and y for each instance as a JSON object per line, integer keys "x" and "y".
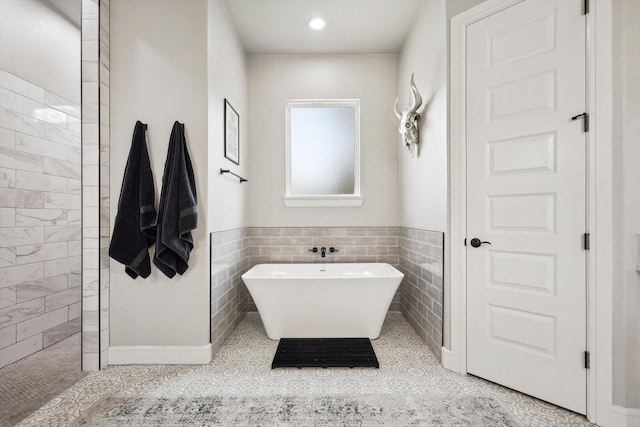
{"x": 586, "y": 7}
{"x": 585, "y": 121}
{"x": 586, "y": 240}
{"x": 587, "y": 360}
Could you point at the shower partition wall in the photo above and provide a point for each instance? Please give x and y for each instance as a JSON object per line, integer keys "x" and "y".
{"x": 95, "y": 184}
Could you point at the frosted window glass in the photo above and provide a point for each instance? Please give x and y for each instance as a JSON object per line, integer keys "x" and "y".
{"x": 322, "y": 150}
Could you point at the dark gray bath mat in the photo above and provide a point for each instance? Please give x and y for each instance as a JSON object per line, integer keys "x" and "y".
{"x": 325, "y": 353}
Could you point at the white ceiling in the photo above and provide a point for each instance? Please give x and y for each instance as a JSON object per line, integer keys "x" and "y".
{"x": 353, "y": 26}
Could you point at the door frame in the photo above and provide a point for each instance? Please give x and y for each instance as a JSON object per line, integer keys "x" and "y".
{"x": 599, "y": 204}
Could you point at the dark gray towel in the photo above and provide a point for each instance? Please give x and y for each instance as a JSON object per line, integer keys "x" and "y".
{"x": 178, "y": 211}
{"x": 135, "y": 226}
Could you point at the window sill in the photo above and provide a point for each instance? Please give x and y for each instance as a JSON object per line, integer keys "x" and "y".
{"x": 322, "y": 201}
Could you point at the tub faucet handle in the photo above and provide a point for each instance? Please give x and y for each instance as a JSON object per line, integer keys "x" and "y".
{"x": 314, "y": 250}
{"x": 332, "y": 250}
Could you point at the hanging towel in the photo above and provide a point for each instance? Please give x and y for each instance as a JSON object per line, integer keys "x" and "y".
{"x": 135, "y": 226}
{"x": 178, "y": 211}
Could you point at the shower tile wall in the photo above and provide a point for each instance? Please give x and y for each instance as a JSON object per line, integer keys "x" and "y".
{"x": 40, "y": 252}
{"x": 229, "y": 296}
{"x": 95, "y": 183}
{"x": 421, "y": 291}
{"x": 103, "y": 107}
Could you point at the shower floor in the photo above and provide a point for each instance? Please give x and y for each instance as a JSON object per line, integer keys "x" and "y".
{"x": 243, "y": 367}
{"x": 29, "y": 383}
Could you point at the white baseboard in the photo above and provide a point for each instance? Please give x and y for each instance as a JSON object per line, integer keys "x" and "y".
{"x": 160, "y": 355}
{"x": 626, "y": 417}
{"x": 451, "y": 361}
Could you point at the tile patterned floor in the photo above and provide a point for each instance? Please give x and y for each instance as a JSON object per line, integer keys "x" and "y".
{"x": 242, "y": 367}
{"x": 29, "y": 383}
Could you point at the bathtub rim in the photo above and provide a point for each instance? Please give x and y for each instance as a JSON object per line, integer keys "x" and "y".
{"x": 394, "y": 272}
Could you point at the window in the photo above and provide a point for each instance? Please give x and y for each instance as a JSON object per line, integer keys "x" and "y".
{"x": 323, "y": 153}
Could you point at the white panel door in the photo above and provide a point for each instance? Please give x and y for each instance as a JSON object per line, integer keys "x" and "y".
{"x": 526, "y": 291}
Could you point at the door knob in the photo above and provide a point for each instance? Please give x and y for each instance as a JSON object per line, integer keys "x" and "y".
{"x": 476, "y": 243}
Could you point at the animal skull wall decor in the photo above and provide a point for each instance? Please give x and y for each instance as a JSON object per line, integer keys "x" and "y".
{"x": 409, "y": 120}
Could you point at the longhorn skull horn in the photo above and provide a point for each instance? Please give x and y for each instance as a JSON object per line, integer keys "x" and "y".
{"x": 395, "y": 110}
{"x": 416, "y": 99}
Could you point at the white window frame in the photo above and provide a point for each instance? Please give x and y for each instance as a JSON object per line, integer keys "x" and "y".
{"x": 301, "y": 200}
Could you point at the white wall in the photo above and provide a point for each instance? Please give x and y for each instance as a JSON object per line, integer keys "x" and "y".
{"x": 275, "y": 78}
{"x": 456, "y": 7}
{"x": 159, "y": 75}
{"x": 33, "y": 33}
{"x": 227, "y": 79}
{"x": 626, "y": 321}
{"x": 422, "y": 180}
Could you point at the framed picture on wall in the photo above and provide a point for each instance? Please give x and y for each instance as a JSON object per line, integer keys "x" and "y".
{"x": 231, "y": 133}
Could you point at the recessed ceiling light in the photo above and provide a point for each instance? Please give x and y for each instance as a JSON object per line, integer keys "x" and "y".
{"x": 317, "y": 23}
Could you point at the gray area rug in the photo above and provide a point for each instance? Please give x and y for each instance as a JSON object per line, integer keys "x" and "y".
{"x": 360, "y": 410}
{"x": 29, "y": 383}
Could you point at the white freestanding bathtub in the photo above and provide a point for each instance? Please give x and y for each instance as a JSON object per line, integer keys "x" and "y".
{"x": 322, "y": 300}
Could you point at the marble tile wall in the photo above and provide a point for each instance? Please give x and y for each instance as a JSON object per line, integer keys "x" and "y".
{"x": 421, "y": 291}
{"x": 229, "y": 296}
{"x": 40, "y": 210}
{"x": 95, "y": 183}
{"x": 104, "y": 119}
